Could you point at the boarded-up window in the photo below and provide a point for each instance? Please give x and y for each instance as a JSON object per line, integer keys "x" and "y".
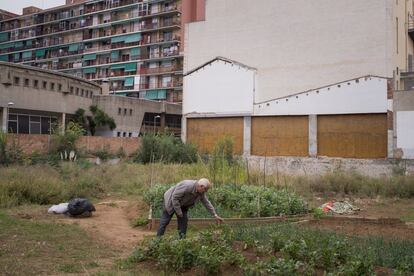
{"x": 280, "y": 136}
{"x": 205, "y": 132}
{"x": 353, "y": 136}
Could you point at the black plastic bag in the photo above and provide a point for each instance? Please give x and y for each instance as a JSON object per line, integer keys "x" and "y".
{"x": 80, "y": 207}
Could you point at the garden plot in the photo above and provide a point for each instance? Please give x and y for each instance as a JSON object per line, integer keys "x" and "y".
{"x": 237, "y": 201}
{"x": 278, "y": 249}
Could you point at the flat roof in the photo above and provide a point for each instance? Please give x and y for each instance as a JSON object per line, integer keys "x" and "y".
{"x": 51, "y": 72}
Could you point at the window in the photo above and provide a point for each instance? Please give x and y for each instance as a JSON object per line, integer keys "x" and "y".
{"x": 130, "y": 112}
{"x": 44, "y": 85}
{"x": 130, "y": 134}
{"x": 16, "y": 80}
{"x": 34, "y": 125}
{"x": 77, "y": 91}
{"x": 125, "y": 111}
{"x": 36, "y": 84}
{"x": 26, "y": 82}
{"x": 71, "y": 90}
{"x": 52, "y": 86}
{"x": 118, "y": 134}
{"x": 119, "y": 111}
{"x": 59, "y": 87}
{"x": 82, "y": 92}
{"x": 125, "y": 134}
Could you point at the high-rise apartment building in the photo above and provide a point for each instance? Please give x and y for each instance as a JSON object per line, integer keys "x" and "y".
{"x": 132, "y": 44}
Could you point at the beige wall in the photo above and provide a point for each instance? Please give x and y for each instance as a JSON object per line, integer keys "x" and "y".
{"x": 131, "y": 120}
{"x": 40, "y": 99}
{"x": 298, "y": 45}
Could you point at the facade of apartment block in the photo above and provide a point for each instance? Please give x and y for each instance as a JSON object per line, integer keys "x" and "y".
{"x": 134, "y": 45}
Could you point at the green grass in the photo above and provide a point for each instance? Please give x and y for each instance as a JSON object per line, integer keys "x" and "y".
{"x": 409, "y": 217}
{"x": 45, "y": 184}
{"x": 34, "y": 248}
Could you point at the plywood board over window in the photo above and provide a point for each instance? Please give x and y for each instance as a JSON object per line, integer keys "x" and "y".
{"x": 206, "y": 132}
{"x": 280, "y": 136}
{"x": 353, "y": 136}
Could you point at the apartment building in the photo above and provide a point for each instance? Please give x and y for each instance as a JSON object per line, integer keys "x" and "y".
{"x": 134, "y": 45}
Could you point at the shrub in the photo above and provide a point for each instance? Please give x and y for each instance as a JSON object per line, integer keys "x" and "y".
{"x": 166, "y": 149}
{"x": 64, "y": 142}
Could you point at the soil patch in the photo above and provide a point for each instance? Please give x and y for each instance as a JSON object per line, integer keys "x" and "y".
{"x": 111, "y": 225}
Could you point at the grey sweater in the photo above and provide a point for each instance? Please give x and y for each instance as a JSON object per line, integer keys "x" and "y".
{"x": 185, "y": 194}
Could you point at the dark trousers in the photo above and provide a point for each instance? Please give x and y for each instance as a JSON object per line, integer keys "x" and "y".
{"x": 181, "y": 222}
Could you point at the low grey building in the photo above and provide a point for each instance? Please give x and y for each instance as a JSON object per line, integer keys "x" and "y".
{"x": 32, "y": 99}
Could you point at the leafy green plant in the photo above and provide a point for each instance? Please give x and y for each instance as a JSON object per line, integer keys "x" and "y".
{"x": 64, "y": 141}
{"x": 98, "y": 119}
{"x": 141, "y": 221}
{"x": 238, "y": 201}
{"x": 165, "y": 148}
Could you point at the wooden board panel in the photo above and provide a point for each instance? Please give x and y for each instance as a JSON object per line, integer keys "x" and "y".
{"x": 353, "y": 136}
{"x": 280, "y": 136}
{"x": 205, "y": 132}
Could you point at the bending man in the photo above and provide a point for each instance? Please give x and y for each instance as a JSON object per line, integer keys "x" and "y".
{"x": 181, "y": 197}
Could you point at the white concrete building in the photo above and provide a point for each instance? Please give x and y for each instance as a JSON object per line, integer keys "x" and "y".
{"x": 335, "y": 62}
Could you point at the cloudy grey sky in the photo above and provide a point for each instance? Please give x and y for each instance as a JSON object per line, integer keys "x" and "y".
{"x": 16, "y": 6}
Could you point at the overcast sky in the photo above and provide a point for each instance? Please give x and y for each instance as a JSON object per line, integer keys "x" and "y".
{"x": 16, "y": 6}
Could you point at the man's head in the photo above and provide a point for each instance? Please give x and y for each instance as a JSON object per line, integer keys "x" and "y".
{"x": 203, "y": 185}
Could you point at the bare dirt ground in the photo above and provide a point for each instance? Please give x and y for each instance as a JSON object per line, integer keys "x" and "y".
{"x": 111, "y": 224}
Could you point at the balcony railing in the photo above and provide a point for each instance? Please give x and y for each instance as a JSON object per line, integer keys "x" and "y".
{"x": 158, "y": 70}
{"x": 169, "y": 84}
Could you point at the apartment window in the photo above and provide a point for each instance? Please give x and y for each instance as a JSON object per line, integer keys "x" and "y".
{"x": 71, "y": 90}
{"x": 36, "y": 84}
{"x": 130, "y": 112}
{"x": 130, "y": 134}
{"x": 52, "y": 86}
{"x": 77, "y": 91}
{"x": 118, "y": 134}
{"x": 44, "y": 85}
{"x": 26, "y": 82}
{"x": 59, "y": 87}
{"x": 119, "y": 111}
{"x": 16, "y": 80}
{"x": 125, "y": 111}
{"x": 125, "y": 134}
{"x": 82, "y": 91}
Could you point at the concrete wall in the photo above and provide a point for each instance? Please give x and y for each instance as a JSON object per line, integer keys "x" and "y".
{"x": 219, "y": 88}
{"x": 304, "y": 166}
{"x": 297, "y": 45}
{"x": 128, "y": 113}
{"x": 29, "y": 97}
{"x": 404, "y": 124}
{"x": 361, "y": 95}
{"x": 31, "y": 143}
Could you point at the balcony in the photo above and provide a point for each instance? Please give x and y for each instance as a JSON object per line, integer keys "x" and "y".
{"x": 100, "y": 7}
{"x": 158, "y": 70}
{"x": 148, "y": 86}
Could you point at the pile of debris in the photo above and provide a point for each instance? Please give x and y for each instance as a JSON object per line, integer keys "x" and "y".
{"x": 341, "y": 207}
